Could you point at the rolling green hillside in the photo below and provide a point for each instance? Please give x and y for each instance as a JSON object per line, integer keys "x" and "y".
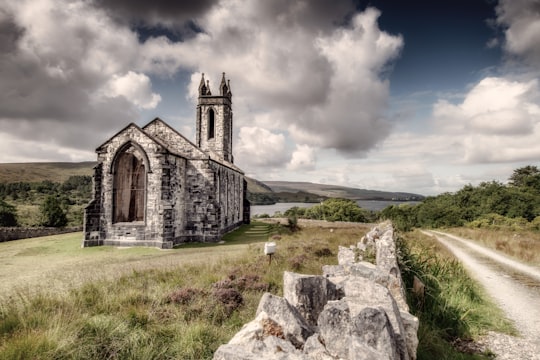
{"x": 268, "y": 192}
{"x": 335, "y": 191}
{"x": 37, "y": 172}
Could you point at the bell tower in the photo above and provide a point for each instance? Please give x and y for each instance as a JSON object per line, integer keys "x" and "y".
{"x": 215, "y": 120}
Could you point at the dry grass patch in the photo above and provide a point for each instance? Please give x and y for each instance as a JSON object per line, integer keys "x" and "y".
{"x": 523, "y": 245}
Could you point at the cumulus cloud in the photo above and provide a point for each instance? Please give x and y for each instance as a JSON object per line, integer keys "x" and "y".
{"x": 260, "y": 147}
{"x": 58, "y": 57}
{"x": 498, "y": 121}
{"x": 325, "y": 87}
{"x": 311, "y": 71}
{"x": 521, "y": 22}
{"x": 303, "y": 158}
{"x": 136, "y": 88}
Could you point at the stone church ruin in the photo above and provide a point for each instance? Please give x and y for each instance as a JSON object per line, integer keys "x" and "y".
{"x": 154, "y": 187}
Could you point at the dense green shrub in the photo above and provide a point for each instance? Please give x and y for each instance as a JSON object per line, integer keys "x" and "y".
{"x": 515, "y": 204}
{"x": 8, "y": 214}
{"x": 52, "y": 213}
{"x": 332, "y": 210}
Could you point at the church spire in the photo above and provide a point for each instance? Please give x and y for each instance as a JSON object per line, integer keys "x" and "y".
{"x": 203, "y": 89}
{"x": 223, "y": 89}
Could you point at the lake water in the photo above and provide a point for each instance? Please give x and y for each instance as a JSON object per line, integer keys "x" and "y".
{"x": 374, "y": 205}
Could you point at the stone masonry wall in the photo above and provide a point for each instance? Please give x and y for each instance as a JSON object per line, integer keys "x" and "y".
{"x": 221, "y": 143}
{"x": 16, "y": 233}
{"x": 355, "y": 310}
{"x": 149, "y": 232}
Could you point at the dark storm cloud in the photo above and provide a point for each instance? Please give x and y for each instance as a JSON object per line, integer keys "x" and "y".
{"x": 9, "y": 33}
{"x": 165, "y": 12}
{"x": 520, "y": 20}
{"x": 314, "y": 15}
{"x": 65, "y": 76}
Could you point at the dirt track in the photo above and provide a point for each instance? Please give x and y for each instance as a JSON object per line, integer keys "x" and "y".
{"x": 514, "y": 286}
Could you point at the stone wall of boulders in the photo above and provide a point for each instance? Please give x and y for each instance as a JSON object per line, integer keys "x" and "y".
{"x": 355, "y": 310}
{"x": 16, "y": 233}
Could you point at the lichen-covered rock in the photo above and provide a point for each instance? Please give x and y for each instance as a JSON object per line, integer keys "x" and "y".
{"x": 387, "y": 263}
{"x": 294, "y": 326}
{"x": 372, "y": 336}
{"x": 308, "y": 293}
{"x": 346, "y": 255}
{"x": 410, "y": 325}
{"x": 315, "y": 350}
{"x": 334, "y": 328}
{"x": 361, "y": 293}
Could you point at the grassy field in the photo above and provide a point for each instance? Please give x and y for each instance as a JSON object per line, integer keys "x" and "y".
{"x": 59, "y": 301}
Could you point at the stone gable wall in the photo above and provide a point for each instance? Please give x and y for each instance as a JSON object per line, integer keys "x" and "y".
{"x": 150, "y": 231}
{"x": 174, "y": 141}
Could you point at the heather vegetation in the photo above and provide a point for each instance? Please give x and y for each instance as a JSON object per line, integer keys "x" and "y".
{"x": 514, "y": 206}
{"x": 155, "y": 310}
{"x": 152, "y": 305}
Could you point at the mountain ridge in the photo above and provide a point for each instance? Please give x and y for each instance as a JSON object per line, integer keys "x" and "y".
{"x": 260, "y": 192}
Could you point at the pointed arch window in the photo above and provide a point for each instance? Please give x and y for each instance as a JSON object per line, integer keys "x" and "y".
{"x": 129, "y": 185}
{"x": 211, "y": 124}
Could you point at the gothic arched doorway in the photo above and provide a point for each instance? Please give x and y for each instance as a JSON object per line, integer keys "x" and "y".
{"x": 129, "y": 185}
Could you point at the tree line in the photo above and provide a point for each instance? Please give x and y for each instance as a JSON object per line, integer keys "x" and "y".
{"x": 54, "y": 200}
{"x": 515, "y": 204}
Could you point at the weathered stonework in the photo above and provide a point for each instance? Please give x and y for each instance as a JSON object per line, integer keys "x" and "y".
{"x": 348, "y": 313}
{"x": 153, "y": 187}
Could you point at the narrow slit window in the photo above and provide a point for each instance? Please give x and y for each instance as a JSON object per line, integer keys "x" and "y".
{"x": 211, "y": 124}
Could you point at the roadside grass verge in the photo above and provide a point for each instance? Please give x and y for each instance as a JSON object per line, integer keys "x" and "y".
{"x": 180, "y": 311}
{"x": 453, "y": 310}
{"x": 521, "y": 245}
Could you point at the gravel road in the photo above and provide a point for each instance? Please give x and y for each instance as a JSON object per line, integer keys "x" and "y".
{"x": 514, "y": 286}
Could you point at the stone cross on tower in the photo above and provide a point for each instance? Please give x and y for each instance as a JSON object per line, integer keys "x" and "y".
{"x": 215, "y": 120}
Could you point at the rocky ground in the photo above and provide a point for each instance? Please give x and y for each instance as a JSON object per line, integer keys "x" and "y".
{"x": 514, "y": 286}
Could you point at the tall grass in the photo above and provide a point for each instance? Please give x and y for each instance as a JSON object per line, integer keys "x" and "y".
{"x": 521, "y": 245}
{"x": 453, "y": 307}
{"x": 187, "y": 310}
{"x": 182, "y": 312}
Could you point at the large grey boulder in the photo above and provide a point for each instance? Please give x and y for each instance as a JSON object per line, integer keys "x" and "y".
{"x": 346, "y": 255}
{"x": 308, "y": 294}
{"x": 410, "y": 325}
{"x": 334, "y": 328}
{"x": 361, "y": 293}
{"x": 372, "y": 336}
{"x": 259, "y": 339}
{"x": 315, "y": 350}
{"x": 292, "y": 325}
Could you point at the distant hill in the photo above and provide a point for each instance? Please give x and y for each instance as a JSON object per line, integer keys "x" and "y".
{"x": 37, "y": 172}
{"x": 333, "y": 191}
{"x": 259, "y": 192}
